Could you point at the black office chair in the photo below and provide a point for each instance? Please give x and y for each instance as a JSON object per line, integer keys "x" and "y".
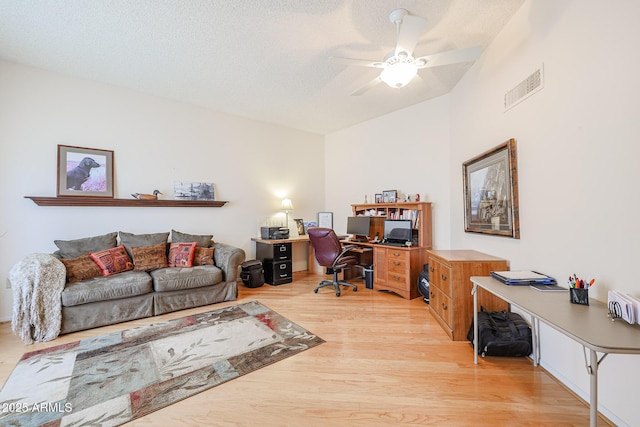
{"x": 332, "y": 255}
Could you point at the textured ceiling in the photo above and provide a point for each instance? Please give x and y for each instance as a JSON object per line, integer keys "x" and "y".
{"x": 263, "y": 59}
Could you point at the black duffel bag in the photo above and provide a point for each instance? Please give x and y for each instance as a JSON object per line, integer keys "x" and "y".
{"x": 502, "y": 333}
{"x": 252, "y": 273}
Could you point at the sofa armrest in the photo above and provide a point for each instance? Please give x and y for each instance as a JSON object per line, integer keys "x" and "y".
{"x": 228, "y": 258}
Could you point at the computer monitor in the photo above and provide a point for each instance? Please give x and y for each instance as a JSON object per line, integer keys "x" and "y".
{"x": 358, "y": 226}
{"x": 397, "y": 230}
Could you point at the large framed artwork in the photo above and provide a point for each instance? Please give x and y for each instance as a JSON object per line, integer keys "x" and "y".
{"x": 491, "y": 192}
{"x": 85, "y": 172}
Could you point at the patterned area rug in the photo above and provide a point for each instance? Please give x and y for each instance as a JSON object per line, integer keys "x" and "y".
{"x": 115, "y": 378}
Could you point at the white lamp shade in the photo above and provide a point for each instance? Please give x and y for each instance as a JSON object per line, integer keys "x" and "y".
{"x": 398, "y": 74}
{"x": 287, "y": 205}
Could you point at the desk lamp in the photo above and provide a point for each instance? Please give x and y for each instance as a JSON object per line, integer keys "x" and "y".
{"x": 287, "y": 206}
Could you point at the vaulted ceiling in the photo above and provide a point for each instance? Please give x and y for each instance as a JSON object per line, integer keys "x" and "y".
{"x": 267, "y": 60}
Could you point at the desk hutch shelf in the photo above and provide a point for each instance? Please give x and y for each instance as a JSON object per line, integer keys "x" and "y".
{"x": 418, "y": 212}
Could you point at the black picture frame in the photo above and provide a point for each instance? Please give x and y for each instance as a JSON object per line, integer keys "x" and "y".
{"x": 390, "y": 196}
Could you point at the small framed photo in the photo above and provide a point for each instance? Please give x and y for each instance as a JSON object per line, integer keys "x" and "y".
{"x": 300, "y": 225}
{"x": 85, "y": 172}
{"x": 193, "y": 190}
{"x": 389, "y": 196}
{"x": 379, "y": 198}
{"x": 325, "y": 219}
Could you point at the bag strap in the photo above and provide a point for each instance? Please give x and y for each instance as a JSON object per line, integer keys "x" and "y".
{"x": 504, "y": 317}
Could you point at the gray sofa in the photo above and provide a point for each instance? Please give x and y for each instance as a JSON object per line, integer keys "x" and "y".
{"x": 90, "y": 301}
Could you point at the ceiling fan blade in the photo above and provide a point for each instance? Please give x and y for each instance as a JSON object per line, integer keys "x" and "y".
{"x": 357, "y": 62}
{"x": 450, "y": 57}
{"x": 368, "y": 86}
{"x": 411, "y": 29}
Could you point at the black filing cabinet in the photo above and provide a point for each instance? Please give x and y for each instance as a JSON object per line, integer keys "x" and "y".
{"x": 276, "y": 261}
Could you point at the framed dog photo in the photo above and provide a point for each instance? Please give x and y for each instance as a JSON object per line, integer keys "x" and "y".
{"x": 85, "y": 172}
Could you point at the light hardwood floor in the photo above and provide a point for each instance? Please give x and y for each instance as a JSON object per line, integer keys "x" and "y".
{"x": 385, "y": 362}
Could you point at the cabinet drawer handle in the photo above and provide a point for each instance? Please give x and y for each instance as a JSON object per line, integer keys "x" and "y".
{"x": 431, "y": 269}
{"x": 444, "y": 306}
{"x": 444, "y": 278}
{"x": 396, "y": 263}
{"x": 396, "y": 254}
{"x": 397, "y": 277}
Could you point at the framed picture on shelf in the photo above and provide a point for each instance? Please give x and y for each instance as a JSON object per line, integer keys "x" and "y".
{"x": 85, "y": 172}
{"x": 379, "y": 198}
{"x": 491, "y": 192}
{"x": 300, "y": 225}
{"x": 325, "y": 219}
{"x": 390, "y": 196}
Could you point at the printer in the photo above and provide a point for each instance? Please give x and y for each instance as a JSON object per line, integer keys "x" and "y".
{"x": 274, "y": 233}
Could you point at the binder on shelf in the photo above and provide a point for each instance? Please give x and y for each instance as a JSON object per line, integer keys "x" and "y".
{"x": 523, "y": 278}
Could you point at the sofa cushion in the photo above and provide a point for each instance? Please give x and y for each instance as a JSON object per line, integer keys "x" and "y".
{"x": 181, "y": 254}
{"x": 112, "y": 261}
{"x": 203, "y": 256}
{"x": 77, "y": 247}
{"x": 80, "y": 268}
{"x": 175, "y": 278}
{"x": 123, "y": 285}
{"x": 147, "y": 258}
{"x": 203, "y": 240}
{"x": 130, "y": 240}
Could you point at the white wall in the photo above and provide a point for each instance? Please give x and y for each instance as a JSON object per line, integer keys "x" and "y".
{"x": 155, "y": 142}
{"x": 407, "y": 150}
{"x": 578, "y": 157}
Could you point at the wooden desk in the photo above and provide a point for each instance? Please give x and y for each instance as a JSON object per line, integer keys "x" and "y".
{"x": 586, "y": 324}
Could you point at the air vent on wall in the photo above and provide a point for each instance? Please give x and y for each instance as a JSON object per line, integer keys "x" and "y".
{"x": 524, "y": 89}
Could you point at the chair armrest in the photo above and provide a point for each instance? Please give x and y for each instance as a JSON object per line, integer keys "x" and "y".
{"x": 228, "y": 258}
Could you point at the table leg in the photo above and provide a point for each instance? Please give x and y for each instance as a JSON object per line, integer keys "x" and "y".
{"x": 535, "y": 328}
{"x": 593, "y": 388}
{"x": 474, "y": 291}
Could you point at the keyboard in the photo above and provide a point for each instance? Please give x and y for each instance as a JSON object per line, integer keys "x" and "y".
{"x": 400, "y": 245}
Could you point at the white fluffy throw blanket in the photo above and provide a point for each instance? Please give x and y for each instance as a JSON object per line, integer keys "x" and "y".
{"x": 37, "y": 282}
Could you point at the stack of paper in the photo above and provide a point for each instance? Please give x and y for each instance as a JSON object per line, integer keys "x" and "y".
{"x": 625, "y": 306}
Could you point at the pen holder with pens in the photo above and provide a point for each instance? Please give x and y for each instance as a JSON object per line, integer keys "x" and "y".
{"x": 579, "y": 296}
{"x": 579, "y": 290}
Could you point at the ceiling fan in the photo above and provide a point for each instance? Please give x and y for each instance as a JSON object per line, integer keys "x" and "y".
{"x": 400, "y": 67}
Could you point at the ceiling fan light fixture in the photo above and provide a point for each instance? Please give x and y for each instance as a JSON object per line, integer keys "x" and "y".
{"x": 399, "y": 74}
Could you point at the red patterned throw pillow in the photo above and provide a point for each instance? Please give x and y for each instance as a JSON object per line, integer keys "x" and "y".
{"x": 112, "y": 261}
{"x": 181, "y": 254}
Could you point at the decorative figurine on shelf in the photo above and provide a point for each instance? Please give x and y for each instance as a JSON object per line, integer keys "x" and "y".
{"x": 407, "y": 198}
{"x": 417, "y": 197}
{"x": 142, "y": 196}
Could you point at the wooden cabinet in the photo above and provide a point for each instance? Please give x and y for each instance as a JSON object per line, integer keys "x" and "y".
{"x": 397, "y": 268}
{"x": 418, "y": 212}
{"x": 450, "y": 299}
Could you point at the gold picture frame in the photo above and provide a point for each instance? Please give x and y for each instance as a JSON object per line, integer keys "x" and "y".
{"x": 491, "y": 192}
